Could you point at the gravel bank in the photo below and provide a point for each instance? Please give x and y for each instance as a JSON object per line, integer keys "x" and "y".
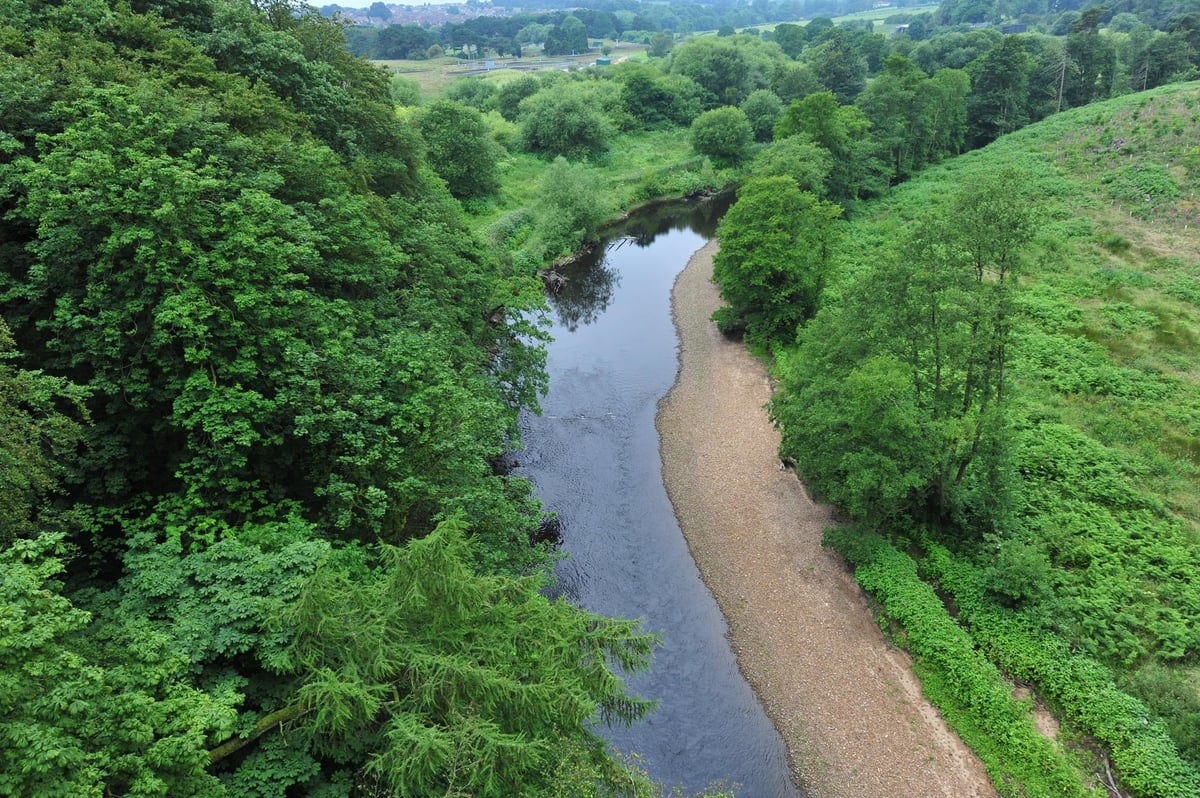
{"x": 847, "y": 704}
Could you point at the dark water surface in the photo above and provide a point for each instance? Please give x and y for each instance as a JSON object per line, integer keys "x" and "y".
{"x": 594, "y": 457}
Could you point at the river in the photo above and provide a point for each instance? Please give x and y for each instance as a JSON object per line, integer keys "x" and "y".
{"x": 593, "y": 455}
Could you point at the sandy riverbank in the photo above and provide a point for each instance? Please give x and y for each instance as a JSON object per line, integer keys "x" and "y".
{"x": 847, "y": 704}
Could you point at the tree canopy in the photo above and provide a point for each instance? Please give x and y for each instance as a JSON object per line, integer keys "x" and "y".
{"x": 258, "y": 374}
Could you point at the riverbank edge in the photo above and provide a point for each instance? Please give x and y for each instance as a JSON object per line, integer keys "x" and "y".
{"x": 845, "y": 702}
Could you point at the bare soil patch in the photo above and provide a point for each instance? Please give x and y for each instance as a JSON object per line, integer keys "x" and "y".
{"x": 847, "y": 703}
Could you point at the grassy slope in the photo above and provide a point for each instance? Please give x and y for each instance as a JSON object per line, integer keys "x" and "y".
{"x": 1107, "y": 350}
{"x": 1117, "y": 263}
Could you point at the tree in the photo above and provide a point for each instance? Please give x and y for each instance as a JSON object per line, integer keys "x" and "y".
{"x": 793, "y": 82}
{"x": 508, "y": 98}
{"x": 37, "y": 442}
{"x": 843, "y": 131}
{"x": 562, "y": 120}
{"x": 568, "y": 38}
{"x": 891, "y": 103}
{"x": 459, "y": 148}
{"x": 943, "y": 100}
{"x": 404, "y": 91}
{"x": 800, "y": 159}
{"x": 221, "y": 244}
{"x": 894, "y": 403}
{"x": 838, "y": 65}
{"x": 722, "y": 134}
{"x": 1094, "y": 61}
{"x": 379, "y": 11}
{"x": 656, "y": 99}
{"x": 660, "y": 45}
{"x": 999, "y": 99}
{"x": 776, "y": 246}
{"x": 569, "y": 212}
{"x": 402, "y": 41}
{"x": 476, "y": 684}
{"x": 763, "y": 109}
{"x": 717, "y": 66}
{"x": 88, "y": 714}
{"x": 478, "y": 94}
{"x": 790, "y": 38}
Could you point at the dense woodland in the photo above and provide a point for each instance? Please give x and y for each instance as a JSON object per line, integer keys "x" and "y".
{"x": 269, "y": 316}
{"x": 258, "y": 378}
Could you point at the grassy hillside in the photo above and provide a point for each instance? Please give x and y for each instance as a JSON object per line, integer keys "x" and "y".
{"x": 1112, "y": 290}
{"x": 1089, "y": 591}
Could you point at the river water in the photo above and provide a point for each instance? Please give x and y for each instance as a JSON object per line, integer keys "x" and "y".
{"x": 593, "y": 455}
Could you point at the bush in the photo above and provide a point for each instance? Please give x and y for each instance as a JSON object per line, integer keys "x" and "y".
{"x": 570, "y": 209}
{"x": 560, "y": 121}
{"x": 972, "y": 693}
{"x": 723, "y": 134}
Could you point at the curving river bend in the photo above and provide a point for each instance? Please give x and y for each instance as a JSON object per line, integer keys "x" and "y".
{"x": 593, "y": 455}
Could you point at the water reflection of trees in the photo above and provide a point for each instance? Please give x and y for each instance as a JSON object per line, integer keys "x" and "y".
{"x": 587, "y": 291}
{"x": 591, "y": 281}
{"x": 651, "y": 221}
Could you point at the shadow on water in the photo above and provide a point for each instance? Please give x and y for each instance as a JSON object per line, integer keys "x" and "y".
{"x": 593, "y": 455}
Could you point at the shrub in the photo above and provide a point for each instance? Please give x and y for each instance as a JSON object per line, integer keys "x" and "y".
{"x": 561, "y": 121}
{"x": 723, "y": 134}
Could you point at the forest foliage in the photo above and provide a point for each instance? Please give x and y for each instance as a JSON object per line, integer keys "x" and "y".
{"x": 269, "y": 321}
{"x": 258, "y": 377}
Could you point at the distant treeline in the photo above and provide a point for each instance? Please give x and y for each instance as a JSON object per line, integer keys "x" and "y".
{"x": 632, "y": 20}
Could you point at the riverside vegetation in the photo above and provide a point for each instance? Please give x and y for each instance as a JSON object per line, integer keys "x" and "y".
{"x": 999, "y": 387}
{"x": 269, "y": 317}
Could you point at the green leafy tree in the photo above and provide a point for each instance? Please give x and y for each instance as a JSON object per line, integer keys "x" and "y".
{"x": 717, "y": 65}
{"x": 402, "y": 41}
{"x": 894, "y": 403}
{"x": 892, "y": 105}
{"x": 793, "y": 82}
{"x": 776, "y": 245}
{"x": 763, "y": 109}
{"x": 567, "y": 38}
{"x": 569, "y": 211}
{"x": 223, "y": 249}
{"x": 37, "y": 441}
{"x": 999, "y": 99}
{"x": 474, "y": 92}
{"x": 563, "y": 120}
{"x": 1093, "y": 60}
{"x": 404, "y": 91}
{"x": 800, "y": 159}
{"x": 844, "y": 132}
{"x": 839, "y": 66}
{"x": 723, "y": 134}
{"x": 943, "y": 100}
{"x": 379, "y": 11}
{"x": 85, "y": 714}
{"x": 656, "y": 99}
{"x": 508, "y": 98}
{"x": 660, "y": 45}
{"x": 460, "y": 149}
{"x": 790, "y": 38}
